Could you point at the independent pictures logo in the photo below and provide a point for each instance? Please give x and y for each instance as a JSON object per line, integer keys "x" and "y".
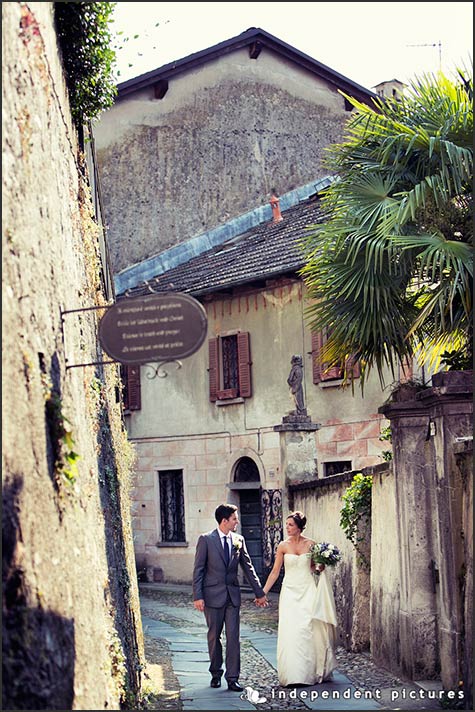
{"x": 252, "y": 696}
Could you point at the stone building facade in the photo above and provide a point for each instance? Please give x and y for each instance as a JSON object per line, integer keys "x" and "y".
{"x": 189, "y": 158}
{"x": 205, "y": 139}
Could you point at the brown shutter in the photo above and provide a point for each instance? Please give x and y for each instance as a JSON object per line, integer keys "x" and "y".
{"x": 353, "y": 365}
{"x": 317, "y": 342}
{"x": 213, "y": 368}
{"x": 244, "y": 364}
{"x": 133, "y": 388}
{"x": 319, "y": 371}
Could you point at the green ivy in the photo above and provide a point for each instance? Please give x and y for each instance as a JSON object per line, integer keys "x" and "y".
{"x": 386, "y": 434}
{"x": 84, "y": 35}
{"x": 355, "y": 516}
{"x": 63, "y": 444}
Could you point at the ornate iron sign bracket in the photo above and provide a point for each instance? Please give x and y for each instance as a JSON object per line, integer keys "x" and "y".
{"x": 140, "y": 330}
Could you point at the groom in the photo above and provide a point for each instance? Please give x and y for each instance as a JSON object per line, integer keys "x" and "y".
{"x": 216, "y": 591}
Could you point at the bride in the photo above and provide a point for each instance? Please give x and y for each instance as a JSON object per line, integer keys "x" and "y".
{"x": 307, "y": 615}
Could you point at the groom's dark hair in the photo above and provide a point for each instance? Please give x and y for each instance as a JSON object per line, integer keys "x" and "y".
{"x": 224, "y": 511}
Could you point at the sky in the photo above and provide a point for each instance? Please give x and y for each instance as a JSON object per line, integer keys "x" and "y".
{"x": 368, "y": 42}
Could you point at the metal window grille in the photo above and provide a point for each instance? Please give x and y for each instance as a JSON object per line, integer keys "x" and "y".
{"x": 229, "y": 350}
{"x": 172, "y": 505}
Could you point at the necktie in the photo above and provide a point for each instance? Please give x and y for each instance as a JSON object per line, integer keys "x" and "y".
{"x": 226, "y": 549}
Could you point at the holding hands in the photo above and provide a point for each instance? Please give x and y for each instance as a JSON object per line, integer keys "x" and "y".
{"x": 261, "y": 602}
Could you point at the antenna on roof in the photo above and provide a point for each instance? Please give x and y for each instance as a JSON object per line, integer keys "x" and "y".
{"x": 431, "y": 44}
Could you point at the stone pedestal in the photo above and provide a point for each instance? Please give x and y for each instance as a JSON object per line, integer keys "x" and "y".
{"x": 298, "y": 447}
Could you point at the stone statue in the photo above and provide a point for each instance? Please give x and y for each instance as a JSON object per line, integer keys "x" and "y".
{"x": 295, "y": 382}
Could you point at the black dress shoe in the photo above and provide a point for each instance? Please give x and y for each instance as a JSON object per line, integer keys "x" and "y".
{"x": 235, "y": 687}
{"x": 215, "y": 682}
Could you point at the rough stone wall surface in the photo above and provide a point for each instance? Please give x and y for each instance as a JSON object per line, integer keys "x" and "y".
{"x": 322, "y": 506}
{"x": 429, "y": 427}
{"x": 176, "y": 167}
{"x": 71, "y": 622}
{"x": 385, "y": 572}
{"x": 464, "y": 457}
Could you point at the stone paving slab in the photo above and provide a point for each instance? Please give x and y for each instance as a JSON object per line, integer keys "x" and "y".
{"x": 190, "y": 664}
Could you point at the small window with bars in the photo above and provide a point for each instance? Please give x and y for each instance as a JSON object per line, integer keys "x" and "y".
{"x": 230, "y": 366}
{"x": 336, "y": 467}
{"x": 172, "y": 506}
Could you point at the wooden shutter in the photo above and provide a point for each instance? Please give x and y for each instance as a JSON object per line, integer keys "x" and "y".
{"x": 133, "y": 388}
{"x": 317, "y": 343}
{"x": 353, "y": 365}
{"x": 213, "y": 369}
{"x": 319, "y": 371}
{"x": 244, "y": 364}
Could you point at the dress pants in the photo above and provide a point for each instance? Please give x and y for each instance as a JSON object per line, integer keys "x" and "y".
{"x": 217, "y": 618}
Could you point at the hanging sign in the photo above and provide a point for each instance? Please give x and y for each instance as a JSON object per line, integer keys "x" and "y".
{"x": 156, "y": 327}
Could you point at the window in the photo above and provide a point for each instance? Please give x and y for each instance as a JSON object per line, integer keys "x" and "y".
{"x": 131, "y": 393}
{"x": 229, "y": 367}
{"x": 335, "y": 468}
{"x": 172, "y": 506}
{"x": 319, "y": 370}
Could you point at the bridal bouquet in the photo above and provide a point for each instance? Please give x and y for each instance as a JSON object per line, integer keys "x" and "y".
{"x": 324, "y": 553}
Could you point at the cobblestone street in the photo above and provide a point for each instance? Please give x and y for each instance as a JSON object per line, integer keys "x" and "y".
{"x": 371, "y": 687}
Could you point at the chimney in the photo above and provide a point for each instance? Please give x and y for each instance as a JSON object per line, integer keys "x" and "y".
{"x": 274, "y": 203}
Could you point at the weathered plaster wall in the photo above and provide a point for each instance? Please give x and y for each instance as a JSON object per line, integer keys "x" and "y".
{"x": 179, "y": 405}
{"x": 431, "y": 496}
{"x": 205, "y": 439}
{"x": 69, "y": 583}
{"x": 463, "y": 452}
{"x": 214, "y": 147}
{"x": 322, "y": 503}
{"x": 385, "y": 571}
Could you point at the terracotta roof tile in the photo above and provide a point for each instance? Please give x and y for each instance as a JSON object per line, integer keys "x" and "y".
{"x": 269, "y": 249}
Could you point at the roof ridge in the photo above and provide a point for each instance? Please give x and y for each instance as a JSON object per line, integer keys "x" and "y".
{"x": 245, "y": 38}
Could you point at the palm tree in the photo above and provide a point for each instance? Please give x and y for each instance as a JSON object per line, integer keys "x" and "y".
{"x": 389, "y": 273}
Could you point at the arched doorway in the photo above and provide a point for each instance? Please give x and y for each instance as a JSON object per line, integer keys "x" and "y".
{"x": 247, "y": 483}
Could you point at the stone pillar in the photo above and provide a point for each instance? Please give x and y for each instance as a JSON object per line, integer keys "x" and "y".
{"x": 298, "y": 448}
{"x": 450, "y": 408}
{"x": 425, "y": 425}
{"x": 464, "y": 460}
{"x": 415, "y": 484}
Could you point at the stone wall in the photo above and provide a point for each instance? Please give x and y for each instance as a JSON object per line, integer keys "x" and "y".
{"x": 432, "y": 445}
{"x": 463, "y": 453}
{"x": 321, "y": 501}
{"x": 71, "y": 623}
{"x": 214, "y": 147}
{"x": 415, "y": 607}
{"x": 385, "y": 571}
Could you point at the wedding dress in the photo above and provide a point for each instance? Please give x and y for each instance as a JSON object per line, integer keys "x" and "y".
{"x": 307, "y": 625}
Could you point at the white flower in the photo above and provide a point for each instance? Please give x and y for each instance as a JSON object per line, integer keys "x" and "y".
{"x": 326, "y": 554}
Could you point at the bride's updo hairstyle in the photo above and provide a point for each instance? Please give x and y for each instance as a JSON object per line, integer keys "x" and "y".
{"x": 299, "y": 518}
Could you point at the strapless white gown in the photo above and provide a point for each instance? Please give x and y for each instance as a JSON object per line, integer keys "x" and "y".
{"x": 307, "y": 625}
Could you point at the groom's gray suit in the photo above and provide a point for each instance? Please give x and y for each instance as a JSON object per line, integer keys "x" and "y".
{"x": 217, "y": 584}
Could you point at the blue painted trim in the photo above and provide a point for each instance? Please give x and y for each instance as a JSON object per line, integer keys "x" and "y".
{"x": 179, "y": 254}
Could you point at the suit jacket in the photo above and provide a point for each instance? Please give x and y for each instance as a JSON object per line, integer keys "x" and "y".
{"x": 212, "y": 580}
